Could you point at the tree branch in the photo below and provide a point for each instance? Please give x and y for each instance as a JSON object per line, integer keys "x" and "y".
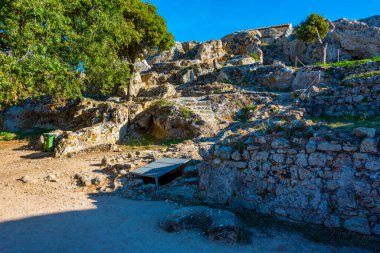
{"x": 27, "y": 52}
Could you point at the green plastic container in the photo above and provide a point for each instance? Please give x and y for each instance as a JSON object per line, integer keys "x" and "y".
{"x": 49, "y": 142}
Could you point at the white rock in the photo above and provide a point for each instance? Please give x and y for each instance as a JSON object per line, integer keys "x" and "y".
{"x": 365, "y": 132}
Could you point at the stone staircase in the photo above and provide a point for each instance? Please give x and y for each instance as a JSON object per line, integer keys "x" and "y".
{"x": 201, "y": 106}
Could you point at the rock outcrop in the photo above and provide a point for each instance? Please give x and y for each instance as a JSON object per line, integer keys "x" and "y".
{"x": 101, "y": 135}
{"x": 167, "y": 120}
{"x": 356, "y": 38}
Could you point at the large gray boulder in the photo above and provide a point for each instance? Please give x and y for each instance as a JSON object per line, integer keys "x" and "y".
{"x": 304, "y": 79}
{"x": 218, "y": 224}
{"x": 276, "y": 78}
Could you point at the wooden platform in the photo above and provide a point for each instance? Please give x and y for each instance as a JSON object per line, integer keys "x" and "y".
{"x": 160, "y": 168}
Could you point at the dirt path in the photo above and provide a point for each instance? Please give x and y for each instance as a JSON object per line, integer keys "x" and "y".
{"x": 44, "y": 216}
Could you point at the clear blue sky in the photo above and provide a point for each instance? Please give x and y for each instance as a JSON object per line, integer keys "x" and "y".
{"x": 202, "y": 20}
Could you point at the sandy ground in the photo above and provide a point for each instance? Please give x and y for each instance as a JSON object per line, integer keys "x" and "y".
{"x": 44, "y": 216}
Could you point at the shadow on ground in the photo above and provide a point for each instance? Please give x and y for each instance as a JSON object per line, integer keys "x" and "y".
{"x": 120, "y": 225}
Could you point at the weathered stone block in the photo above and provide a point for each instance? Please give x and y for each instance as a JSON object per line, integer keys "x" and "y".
{"x": 358, "y": 224}
{"x": 327, "y": 146}
{"x": 369, "y": 145}
{"x": 365, "y": 132}
{"x": 317, "y": 159}
{"x": 223, "y": 152}
{"x": 373, "y": 165}
{"x": 280, "y": 143}
{"x": 311, "y": 146}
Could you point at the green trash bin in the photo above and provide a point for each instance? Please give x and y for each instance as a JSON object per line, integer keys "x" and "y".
{"x": 49, "y": 142}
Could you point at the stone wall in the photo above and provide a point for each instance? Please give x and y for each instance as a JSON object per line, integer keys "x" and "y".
{"x": 334, "y": 181}
{"x": 358, "y": 96}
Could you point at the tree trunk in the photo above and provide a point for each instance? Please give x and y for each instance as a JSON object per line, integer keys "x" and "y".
{"x": 130, "y": 84}
{"x": 324, "y": 59}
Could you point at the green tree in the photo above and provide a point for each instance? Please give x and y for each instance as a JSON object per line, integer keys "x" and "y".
{"x": 114, "y": 34}
{"x": 63, "y": 48}
{"x": 149, "y": 33}
{"x": 313, "y": 29}
{"x": 34, "y": 51}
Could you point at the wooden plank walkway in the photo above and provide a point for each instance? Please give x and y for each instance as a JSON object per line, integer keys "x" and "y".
{"x": 160, "y": 168}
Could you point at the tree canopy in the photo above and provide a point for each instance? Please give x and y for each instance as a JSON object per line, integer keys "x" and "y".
{"x": 64, "y": 48}
{"x": 314, "y": 28}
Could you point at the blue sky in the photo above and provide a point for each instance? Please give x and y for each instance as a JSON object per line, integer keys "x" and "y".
{"x": 202, "y": 20}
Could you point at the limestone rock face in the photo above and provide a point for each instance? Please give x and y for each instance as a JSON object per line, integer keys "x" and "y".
{"x": 168, "y": 56}
{"x": 280, "y": 78}
{"x": 357, "y": 38}
{"x": 150, "y": 79}
{"x": 171, "y": 121}
{"x": 165, "y": 90}
{"x": 136, "y": 84}
{"x": 372, "y": 21}
{"x": 353, "y": 39}
{"x": 71, "y": 115}
{"x": 97, "y": 136}
{"x": 142, "y": 66}
{"x": 242, "y": 43}
{"x": 241, "y": 60}
{"x": 209, "y": 50}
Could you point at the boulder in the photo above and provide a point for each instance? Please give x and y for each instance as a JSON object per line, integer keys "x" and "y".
{"x": 277, "y": 78}
{"x": 223, "y": 152}
{"x": 280, "y": 143}
{"x": 243, "y": 43}
{"x": 218, "y": 224}
{"x": 365, "y": 132}
{"x": 165, "y": 90}
{"x": 101, "y": 135}
{"x": 241, "y": 60}
{"x": 304, "y": 79}
{"x": 369, "y": 145}
{"x": 151, "y": 78}
{"x": 136, "y": 84}
{"x": 358, "y": 224}
{"x": 210, "y": 50}
{"x": 142, "y": 66}
{"x": 167, "y": 120}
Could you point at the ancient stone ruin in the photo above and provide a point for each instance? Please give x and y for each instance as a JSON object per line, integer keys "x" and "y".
{"x": 251, "y": 120}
